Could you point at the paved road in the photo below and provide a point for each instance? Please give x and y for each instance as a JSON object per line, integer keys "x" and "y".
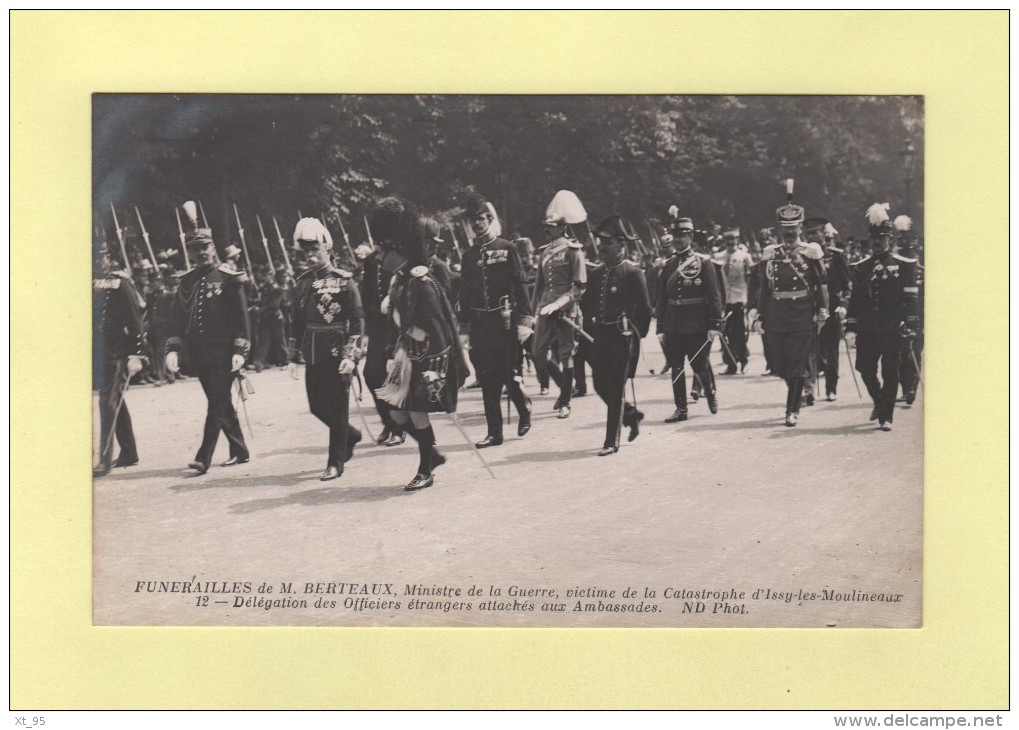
{"x": 729, "y": 519}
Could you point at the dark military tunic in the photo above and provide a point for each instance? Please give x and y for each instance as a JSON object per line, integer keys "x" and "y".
{"x": 494, "y": 302}
{"x": 561, "y": 276}
{"x": 689, "y": 304}
{"x": 885, "y": 297}
{"x": 328, "y": 328}
{"x": 830, "y": 336}
{"x": 792, "y": 290}
{"x": 379, "y": 269}
{"x": 118, "y": 333}
{"x": 208, "y": 325}
{"x": 617, "y": 301}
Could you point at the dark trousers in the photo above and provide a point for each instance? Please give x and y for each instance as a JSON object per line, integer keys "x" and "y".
{"x": 611, "y": 362}
{"x": 111, "y": 393}
{"x": 679, "y": 347}
{"x": 872, "y": 349}
{"x": 584, "y": 355}
{"x": 828, "y": 341}
{"x": 907, "y": 369}
{"x": 735, "y": 332}
{"x": 216, "y": 380}
{"x": 271, "y": 348}
{"x": 495, "y": 354}
{"x": 375, "y": 376}
{"x": 328, "y": 398}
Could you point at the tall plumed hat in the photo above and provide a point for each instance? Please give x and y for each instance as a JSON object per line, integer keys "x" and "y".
{"x": 616, "y": 227}
{"x": 877, "y": 217}
{"x": 903, "y": 225}
{"x": 196, "y": 236}
{"x": 677, "y": 223}
{"x": 565, "y": 208}
{"x": 789, "y": 214}
{"x": 312, "y": 230}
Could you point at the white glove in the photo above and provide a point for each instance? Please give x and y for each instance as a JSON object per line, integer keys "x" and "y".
{"x": 236, "y": 363}
{"x": 384, "y": 307}
{"x": 851, "y": 339}
{"x": 549, "y": 309}
{"x": 759, "y": 327}
{"x": 172, "y": 362}
{"x": 714, "y": 334}
{"x": 417, "y": 334}
{"x": 292, "y": 370}
{"x": 346, "y": 366}
{"x": 134, "y": 365}
{"x": 523, "y": 333}
{"x": 840, "y": 312}
{"x": 752, "y": 315}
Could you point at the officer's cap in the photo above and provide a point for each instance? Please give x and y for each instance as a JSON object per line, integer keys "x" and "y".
{"x": 815, "y": 224}
{"x": 198, "y": 238}
{"x": 474, "y": 204}
{"x": 615, "y": 227}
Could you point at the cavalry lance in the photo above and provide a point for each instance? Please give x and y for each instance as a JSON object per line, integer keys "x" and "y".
{"x": 265, "y": 245}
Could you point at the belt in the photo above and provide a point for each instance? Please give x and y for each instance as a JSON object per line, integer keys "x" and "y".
{"x": 341, "y": 327}
{"x": 488, "y": 311}
{"x": 683, "y": 302}
{"x": 788, "y": 294}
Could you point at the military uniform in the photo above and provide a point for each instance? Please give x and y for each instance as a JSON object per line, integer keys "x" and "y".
{"x": 885, "y": 297}
{"x": 561, "y": 278}
{"x": 329, "y": 326}
{"x": 830, "y": 337}
{"x": 494, "y": 302}
{"x": 379, "y": 269}
{"x": 689, "y": 304}
{"x": 118, "y": 335}
{"x": 912, "y": 349}
{"x": 585, "y": 349}
{"x": 736, "y": 267}
{"x": 617, "y": 299}
{"x": 209, "y": 325}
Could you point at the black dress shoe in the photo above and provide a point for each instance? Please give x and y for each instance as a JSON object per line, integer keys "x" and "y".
{"x": 558, "y": 403}
{"x": 488, "y": 441}
{"x": 910, "y": 397}
{"x": 791, "y": 418}
{"x": 331, "y": 472}
{"x": 420, "y": 481}
{"x": 885, "y": 425}
{"x": 579, "y": 392}
{"x": 383, "y": 437}
{"x": 808, "y": 399}
{"x": 728, "y": 371}
{"x": 742, "y": 367}
{"x": 713, "y": 402}
{"x": 678, "y": 415}
{"x": 396, "y": 439}
{"x": 634, "y": 424}
{"x": 235, "y": 460}
{"x": 695, "y": 395}
{"x": 608, "y": 450}
{"x": 100, "y": 471}
{"x": 123, "y": 463}
{"x": 873, "y": 415}
{"x": 523, "y": 424}
{"x": 198, "y": 467}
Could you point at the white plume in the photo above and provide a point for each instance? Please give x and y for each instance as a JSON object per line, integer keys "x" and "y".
{"x": 878, "y": 213}
{"x": 829, "y": 230}
{"x": 902, "y": 222}
{"x": 674, "y": 211}
{"x": 311, "y": 229}
{"x": 789, "y": 186}
{"x": 565, "y": 207}
{"x": 496, "y": 227}
{"x": 191, "y": 210}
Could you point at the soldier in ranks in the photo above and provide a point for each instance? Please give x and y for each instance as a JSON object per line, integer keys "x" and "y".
{"x": 907, "y": 240}
{"x": 118, "y": 355}
{"x": 688, "y": 314}
{"x": 836, "y": 268}
{"x": 883, "y": 312}
{"x": 792, "y": 303}
{"x": 558, "y": 288}
{"x": 616, "y": 300}
{"x": 329, "y": 330}
{"x": 210, "y": 324}
{"x": 494, "y": 303}
{"x": 736, "y": 266}
{"x": 379, "y": 268}
{"x": 429, "y": 366}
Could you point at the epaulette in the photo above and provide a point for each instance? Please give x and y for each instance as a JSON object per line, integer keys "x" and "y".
{"x": 573, "y": 243}
{"x": 769, "y": 251}
{"x": 811, "y": 250}
{"x": 419, "y": 271}
{"x": 241, "y": 276}
{"x": 341, "y": 272}
{"x": 122, "y": 274}
{"x": 903, "y": 258}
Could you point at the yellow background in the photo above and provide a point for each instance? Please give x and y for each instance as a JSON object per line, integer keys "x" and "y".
{"x": 958, "y": 60}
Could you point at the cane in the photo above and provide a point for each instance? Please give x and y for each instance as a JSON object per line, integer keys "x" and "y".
{"x": 243, "y": 398}
{"x": 456, "y": 422}
{"x": 852, "y": 367}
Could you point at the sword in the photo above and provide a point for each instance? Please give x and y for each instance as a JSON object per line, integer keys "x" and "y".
{"x": 357, "y": 404}
{"x": 695, "y": 356}
{"x": 579, "y": 329}
{"x": 852, "y": 367}
{"x": 243, "y": 397}
{"x": 456, "y": 422}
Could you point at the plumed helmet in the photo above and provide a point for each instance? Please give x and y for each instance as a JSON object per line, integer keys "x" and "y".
{"x": 565, "y": 208}
{"x": 312, "y": 230}
{"x": 199, "y": 237}
{"x": 877, "y": 217}
{"x": 789, "y": 214}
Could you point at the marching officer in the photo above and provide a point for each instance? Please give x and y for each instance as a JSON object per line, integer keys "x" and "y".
{"x": 558, "y": 288}
{"x": 792, "y": 303}
{"x": 379, "y": 268}
{"x": 912, "y": 351}
{"x": 688, "y": 314}
{"x": 210, "y": 324}
{"x": 836, "y": 268}
{"x": 118, "y": 355}
{"x": 329, "y": 330}
{"x": 616, "y": 298}
{"x": 883, "y": 311}
{"x": 493, "y": 302}
{"x": 736, "y": 267}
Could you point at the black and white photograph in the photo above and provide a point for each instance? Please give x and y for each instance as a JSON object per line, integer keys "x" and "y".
{"x": 571, "y": 361}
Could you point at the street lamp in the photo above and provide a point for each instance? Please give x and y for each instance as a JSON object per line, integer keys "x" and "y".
{"x": 908, "y": 155}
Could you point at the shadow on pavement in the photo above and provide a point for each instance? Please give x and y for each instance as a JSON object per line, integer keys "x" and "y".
{"x": 199, "y": 482}
{"x": 320, "y": 497}
{"x": 118, "y": 474}
{"x": 547, "y": 456}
